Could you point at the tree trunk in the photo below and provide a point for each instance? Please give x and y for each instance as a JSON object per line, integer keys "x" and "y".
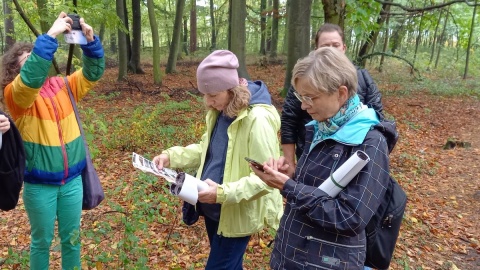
{"x": 177, "y": 30}
{"x": 213, "y": 46}
{"x": 185, "y": 35}
{"x": 157, "y": 74}
{"x": 127, "y": 26}
{"x": 237, "y": 35}
{"x": 263, "y": 26}
{"x": 441, "y": 40}
{"x": 43, "y": 14}
{"x": 101, "y": 32}
{"x": 193, "y": 26}
{"x": 334, "y": 12}
{"x": 372, "y": 37}
{"x": 113, "y": 44}
{"x": 275, "y": 18}
{"x": 134, "y": 64}
{"x": 122, "y": 43}
{"x": 419, "y": 36}
{"x": 434, "y": 43}
{"x": 467, "y": 59}
{"x": 9, "y": 25}
{"x": 298, "y": 36}
{"x": 385, "y": 44}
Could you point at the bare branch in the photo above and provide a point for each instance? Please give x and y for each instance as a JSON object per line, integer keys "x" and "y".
{"x": 416, "y": 10}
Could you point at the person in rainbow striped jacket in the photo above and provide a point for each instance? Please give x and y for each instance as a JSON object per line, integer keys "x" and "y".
{"x": 55, "y": 153}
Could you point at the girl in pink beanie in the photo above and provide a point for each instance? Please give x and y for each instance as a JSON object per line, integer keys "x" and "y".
{"x": 241, "y": 122}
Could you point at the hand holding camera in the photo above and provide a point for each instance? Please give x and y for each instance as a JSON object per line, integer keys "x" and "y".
{"x": 75, "y": 30}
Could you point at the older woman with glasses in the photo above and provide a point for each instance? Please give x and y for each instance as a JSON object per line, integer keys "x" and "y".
{"x": 318, "y": 231}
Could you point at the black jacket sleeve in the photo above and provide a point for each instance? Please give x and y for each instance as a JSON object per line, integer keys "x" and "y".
{"x": 369, "y": 93}
{"x": 291, "y": 116}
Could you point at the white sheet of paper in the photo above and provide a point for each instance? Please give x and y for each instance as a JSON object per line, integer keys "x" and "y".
{"x": 146, "y": 165}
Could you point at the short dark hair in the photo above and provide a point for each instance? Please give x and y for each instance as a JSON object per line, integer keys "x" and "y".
{"x": 329, "y": 27}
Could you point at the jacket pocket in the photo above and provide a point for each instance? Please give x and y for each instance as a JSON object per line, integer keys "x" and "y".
{"x": 322, "y": 254}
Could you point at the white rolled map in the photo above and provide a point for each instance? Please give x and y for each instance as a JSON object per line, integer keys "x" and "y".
{"x": 187, "y": 187}
{"x": 340, "y": 178}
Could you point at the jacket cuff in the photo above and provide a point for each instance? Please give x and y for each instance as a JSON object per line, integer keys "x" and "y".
{"x": 221, "y": 197}
{"x": 93, "y": 49}
{"x": 45, "y": 47}
{"x": 288, "y": 187}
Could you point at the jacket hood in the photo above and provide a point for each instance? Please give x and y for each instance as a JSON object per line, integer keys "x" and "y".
{"x": 259, "y": 93}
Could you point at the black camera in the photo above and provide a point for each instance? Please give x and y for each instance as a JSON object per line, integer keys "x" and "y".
{"x": 76, "y": 21}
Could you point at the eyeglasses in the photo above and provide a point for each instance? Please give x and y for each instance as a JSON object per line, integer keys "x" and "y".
{"x": 306, "y": 99}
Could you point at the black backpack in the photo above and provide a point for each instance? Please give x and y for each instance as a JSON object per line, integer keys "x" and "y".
{"x": 12, "y": 167}
{"x": 383, "y": 229}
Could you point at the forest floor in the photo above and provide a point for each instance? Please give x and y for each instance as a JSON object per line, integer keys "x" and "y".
{"x": 441, "y": 228}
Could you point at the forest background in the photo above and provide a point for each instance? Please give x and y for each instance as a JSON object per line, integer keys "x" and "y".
{"x": 422, "y": 54}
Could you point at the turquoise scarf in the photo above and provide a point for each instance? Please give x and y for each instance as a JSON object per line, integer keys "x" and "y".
{"x": 330, "y": 126}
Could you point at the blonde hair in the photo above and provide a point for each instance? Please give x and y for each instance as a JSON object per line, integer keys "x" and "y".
{"x": 326, "y": 69}
{"x": 239, "y": 100}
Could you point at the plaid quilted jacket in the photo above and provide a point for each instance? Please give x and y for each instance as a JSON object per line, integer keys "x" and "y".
{"x": 320, "y": 232}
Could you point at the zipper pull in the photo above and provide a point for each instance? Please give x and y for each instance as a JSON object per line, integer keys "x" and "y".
{"x": 388, "y": 221}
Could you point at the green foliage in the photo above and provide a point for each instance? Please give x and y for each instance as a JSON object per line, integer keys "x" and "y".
{"x": 144, "y": 127}
{"x": 144, "y": 202}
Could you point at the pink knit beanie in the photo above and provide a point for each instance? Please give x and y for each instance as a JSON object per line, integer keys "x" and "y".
{"x": 217, "y": 72}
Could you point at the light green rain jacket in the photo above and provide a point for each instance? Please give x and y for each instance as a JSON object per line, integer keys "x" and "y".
{"x": 248, "y": 204}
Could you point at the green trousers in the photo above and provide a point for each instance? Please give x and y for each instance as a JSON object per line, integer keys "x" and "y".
{"x": 44, "y": 205}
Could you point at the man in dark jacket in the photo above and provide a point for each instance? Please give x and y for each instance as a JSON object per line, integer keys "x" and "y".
{"x": 294, "y": 118}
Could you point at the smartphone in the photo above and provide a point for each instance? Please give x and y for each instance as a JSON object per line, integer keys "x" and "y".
{"x": 75, "y": 36}
{"x": 255, "y": 163}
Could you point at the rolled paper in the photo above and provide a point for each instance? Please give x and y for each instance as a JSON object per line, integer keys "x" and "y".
{"x": 340, "y": 178}
{"x": 187, "y": 187}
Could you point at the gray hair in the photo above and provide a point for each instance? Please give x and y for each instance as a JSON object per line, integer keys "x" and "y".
{"x": 326, "y": 69}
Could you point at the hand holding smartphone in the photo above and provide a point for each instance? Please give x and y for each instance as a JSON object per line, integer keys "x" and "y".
{"x": 255, "y": 163}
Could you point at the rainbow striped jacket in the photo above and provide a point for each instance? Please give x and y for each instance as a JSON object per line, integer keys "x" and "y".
{"x": 43, "y": 113}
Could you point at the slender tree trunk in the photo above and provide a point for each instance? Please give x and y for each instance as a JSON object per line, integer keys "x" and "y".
{"x": 298, "y": 36}
{"x": 441, "y": 40}
{"x": 157, "y": 75}
{"x": 122, "y": 43}
{"x": 193, "y": 26}
{"x": 434, "y": 43}
{"x": 185, "y": 35}
{"x": 101, "y": 32}
{"x": 385, "y": 44}
{"x": 419, "y": 36}
{"x": 213, "y": 46}
{"x": 134, "y": 64}
{"x": 372, "y": 37}
{"x": 469, "y": 46}
{"x": 238, "y": 35}
{"x": 263, "y": 26}
{"x": 275, "y": 18}
{"x": 43, "y": 13}
{"x": 127, "y": 26}
{"x": 9, "y": 25}
{"x": 177, "y": 30}
{"x": 113, "y": 43}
